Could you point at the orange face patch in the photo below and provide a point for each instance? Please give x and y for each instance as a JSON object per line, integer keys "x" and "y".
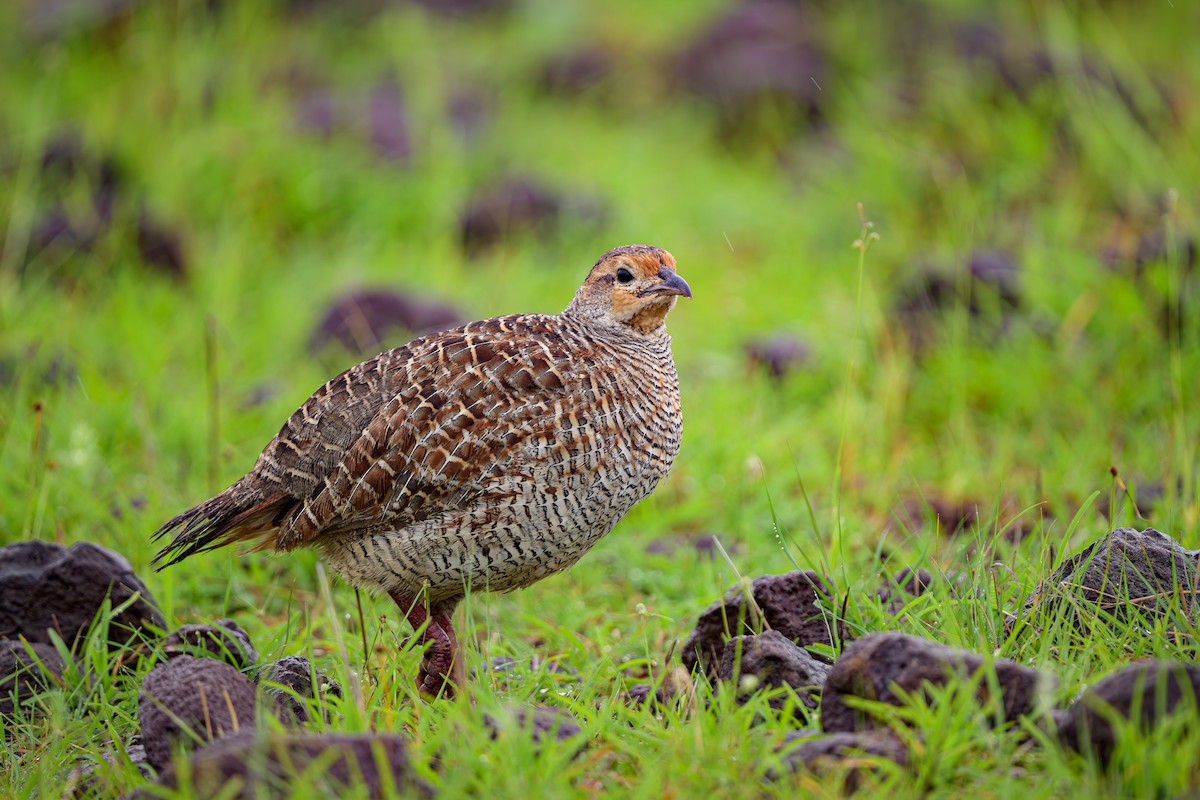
{"x": 643, "y": 313}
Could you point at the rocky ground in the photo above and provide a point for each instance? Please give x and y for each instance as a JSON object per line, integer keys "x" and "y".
{"x": 207, "y": 698}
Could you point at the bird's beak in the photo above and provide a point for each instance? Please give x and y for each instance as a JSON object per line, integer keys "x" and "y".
{"x": 671, "y": 284}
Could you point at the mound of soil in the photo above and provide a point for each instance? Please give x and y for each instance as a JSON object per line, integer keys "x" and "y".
{"x": 541, "y": 723}
{"x": 795, "y": 604}
{"x": 47, "y": 587}
{"x": 269, "y": 765}
{"x": 24, "y": 675}
{"x": 366, "y": 321}
{"x": 899, "y": 590}
{"x": 1127, "y": 573}
{"x": 847, "y": 753}
{"x": 292, "y": 681}
{"x": 770, "y": 660}
{"x": 190, "y": 700}
{"x": 883, "y": 667}
{"x": 224, "y": 640}
{"x": 1152, "y": 690}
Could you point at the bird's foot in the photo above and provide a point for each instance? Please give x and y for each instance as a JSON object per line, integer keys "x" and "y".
{"x": 441, "y": 673}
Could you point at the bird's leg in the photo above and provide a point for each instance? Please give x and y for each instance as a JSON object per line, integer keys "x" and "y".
{"x": 452, "y": 663}
{"x": 441, "y": 672}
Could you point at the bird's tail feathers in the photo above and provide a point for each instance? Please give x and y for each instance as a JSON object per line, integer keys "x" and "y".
{"x": 227, "y": 518}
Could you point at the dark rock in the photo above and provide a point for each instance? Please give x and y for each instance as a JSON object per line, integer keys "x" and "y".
{"x": 37, "y": 368}
{"x": 1152, "y": 690}
{"x": 160, "y": 247}
{"x": 643, "y": 693}
{"x": 989, "y": 290}
{"x": 779, "y": 355}
{"x": 992, "y": 280}
{"x": 270, "y": 765}
{"x": 883, "y": 666}
{"x": 1007, "y": 61}
{"x": 501, "y": 664}
{"x": 704, "y": 545}
{"x": 899, "y": 590}
{"x": 295, "y": 678}
{"x": 848, "y": 754}
{"x": 1127, "y": 573}
{"x": 56, "y": 230}
{"x": 758, "y": 66}
{"x": 85, "y": 781}
{"x": 1131, "y": 246}
{"x": 996, "y": 53}
{"x": 540, "y": 722}
{"x": 389, "y": 122}
{"x": 224, "y": 640}
{"x": 1141, "y": 498}
{"x": 315, "y": 112}
{"x": 469, "y": 110}
{"x": 521, "y": 206}
{"x": 188, "y": 701}
{"x": 64, "y": 156}
{"x": 795, "y": 604}
{"x": 947, "y": 515}
{"x": 45, "y": 586}
{"x": 771, "y": 661}
{"x": 674, "y": 686}
{"x": 578, "y": 72}
{"x": 515, "y": 205}
{"x": 374, "y": 116}
{"x": 68, "y": 167}
{"x": 365, "y": 321}
{"x": 23, "y": 675}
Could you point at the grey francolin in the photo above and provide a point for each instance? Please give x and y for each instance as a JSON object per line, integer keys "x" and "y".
{"x": 481, "y": 458}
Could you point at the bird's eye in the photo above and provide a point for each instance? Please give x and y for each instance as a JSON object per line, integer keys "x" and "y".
{"x": 624, "y": 275}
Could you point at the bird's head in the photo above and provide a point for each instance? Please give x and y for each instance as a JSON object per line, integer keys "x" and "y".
{"x": 631, "y": 287}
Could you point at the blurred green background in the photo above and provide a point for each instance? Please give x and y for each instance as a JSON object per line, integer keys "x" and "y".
{"x": 187, "y": 190}
{"x": 188, "y": 187}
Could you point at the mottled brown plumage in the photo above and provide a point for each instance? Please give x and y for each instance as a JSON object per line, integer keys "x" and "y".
{"x": 484, "y": 457}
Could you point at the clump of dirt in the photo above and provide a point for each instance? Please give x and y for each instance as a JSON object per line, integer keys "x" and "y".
{"x": 186, "y": 700}
{"x": 847, "y": 754}
{"x": 366, "y": 321}
{"x": 900, "y": 590}
{"x": 290, "y": 683}
{"x": 1126, "y": 574}
{"x": 796, "y": 604}
{"x": 1152, "y": 691}
{"x": 574, "y": 73}
{"x": 270, "y": 764}
{"x": 68, "y": 237}
{"x": 987, "y": 286}
{"x": 374, "y": 115}
{"x": 47, "y": 587}
{"x": 884, "y": 667}
{"x": 760, "y": 67}
{"x": 751, "y": 664}
{"x": 540, "y": 723}
{"x": 521, "y": 206}
{"x": 224, "y": 640}
{"x": 24, "y": 674}
{"x": 779, "y": 355}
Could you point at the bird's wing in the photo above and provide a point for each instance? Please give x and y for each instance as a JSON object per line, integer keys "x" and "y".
{"x": 466, "y": 405}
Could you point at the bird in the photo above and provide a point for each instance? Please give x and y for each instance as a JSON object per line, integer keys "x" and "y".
{"x": 485, "y": 457}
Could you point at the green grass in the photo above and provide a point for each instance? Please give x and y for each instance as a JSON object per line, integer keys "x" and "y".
{"x": 1026, "y": 425}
